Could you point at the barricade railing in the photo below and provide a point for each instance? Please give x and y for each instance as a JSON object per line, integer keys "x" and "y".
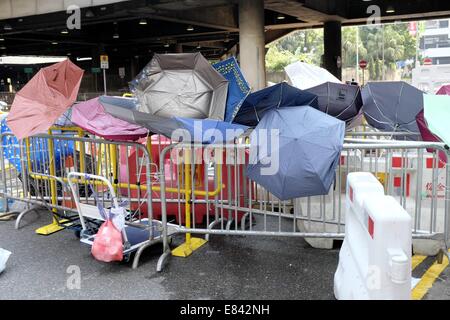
{"x": 418, "y": 179}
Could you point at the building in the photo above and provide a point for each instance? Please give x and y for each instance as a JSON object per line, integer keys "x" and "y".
{"x": 435, "y": 42}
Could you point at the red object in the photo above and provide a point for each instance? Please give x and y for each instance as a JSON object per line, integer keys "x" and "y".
{"x": 107, "y": 246}
{"x": 363, "y": 64}
{"x": 427, "y": 135}
{"x": 351, "y": 194}
{"x": 430, "y": 164}
{"x": 398, "y": 183}
{"x": 444, "y": 90}
{"x": 427, "y": 61}
{"x": 397, "y": 162}
{"x": 371, "y": 227}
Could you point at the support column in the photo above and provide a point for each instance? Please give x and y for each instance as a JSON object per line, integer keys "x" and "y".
{"x": 332, "y": 37}
{"x": 252, "y": 50}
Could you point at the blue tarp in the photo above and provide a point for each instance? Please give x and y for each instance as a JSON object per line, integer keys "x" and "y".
{"x": 38, "y": 148}
{"x": 238, "y": 88}
{"x": 280, "y": 95}
{"x": 295, "y": 152}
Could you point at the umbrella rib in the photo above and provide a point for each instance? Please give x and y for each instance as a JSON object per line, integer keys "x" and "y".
{"x": 351, "y": 104}
{"x": 381, "y": 112}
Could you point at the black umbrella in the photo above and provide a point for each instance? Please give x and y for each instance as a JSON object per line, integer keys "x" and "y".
{"x": 342, "y": 101}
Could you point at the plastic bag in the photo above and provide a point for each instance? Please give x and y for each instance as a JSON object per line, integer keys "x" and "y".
{"x": 4, "y": 256}
{"x": 107, "y": 246}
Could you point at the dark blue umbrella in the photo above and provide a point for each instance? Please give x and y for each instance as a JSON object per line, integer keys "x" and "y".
{"x": 295, "y": 152}
{"x": 280, "y": 95}
{"x": 392, "y": 106}
{"x": 238, "y": 88}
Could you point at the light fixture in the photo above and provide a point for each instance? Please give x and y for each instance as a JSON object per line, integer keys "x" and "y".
{"x": 280, "y": 16}
{"x": 143, "y": 22}
{"x": 2, "y": 39}
{"x": 90, "y": 14}
{"x": 390, "y": 9}
{"x": 2, "y": 48}
{"x": 54, "y": 43}
{"x": 69, "y": 54}
{"x": 84, "y": 59}
{"x": 190, "y": 28}
{"x": 7, "y": 27}
{"x": 103, "y": 8}
{"x": 199, "y": 46}
{"x": 116, "y": 36}
{"x": 166, "y": 45}
{"x": 64, "y": 31}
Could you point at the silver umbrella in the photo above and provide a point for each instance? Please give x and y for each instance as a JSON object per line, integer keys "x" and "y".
{"x": 181, "y": 85}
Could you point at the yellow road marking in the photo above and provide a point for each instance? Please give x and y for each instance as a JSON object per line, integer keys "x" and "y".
{"x": 428, "y": 279}
{"x": 416, "y": 260}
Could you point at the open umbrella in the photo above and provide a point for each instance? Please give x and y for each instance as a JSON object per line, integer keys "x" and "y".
{"x": 392, "y": 106}
{"x": 91, "y": 116}
{"x": 444, "y": 90}
{"x": 300, "y": 157}
{"x": 342, "y": 101}
{"x": 177, "y": 128}
{"x": 44, "y": 99}
{"x": 437, "y": 115}
{"x": 280, "y": 95}
{"x": 238, "y": 88}
{"x": 303, "y": 75}
{"x": 427, "y": 135}
{"x": 182, "y": 85}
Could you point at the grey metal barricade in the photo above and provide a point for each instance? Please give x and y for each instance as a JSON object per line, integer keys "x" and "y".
{"x": 223, "y": 201}
{"x": 35, "y": 172}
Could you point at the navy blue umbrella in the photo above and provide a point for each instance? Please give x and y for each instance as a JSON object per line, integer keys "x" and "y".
{"x": 238, "y": 88}
{"x": 280, "y": 95}
{"x": 295, "y": 152}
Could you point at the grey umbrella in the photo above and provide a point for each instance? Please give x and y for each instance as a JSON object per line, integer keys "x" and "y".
{"x": 295, "y": 152}
{"x": 392, "y": 106}
{"x": 181, "y": 85}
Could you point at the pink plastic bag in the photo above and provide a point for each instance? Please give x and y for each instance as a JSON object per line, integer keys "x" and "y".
{"x": 107, "y": 246}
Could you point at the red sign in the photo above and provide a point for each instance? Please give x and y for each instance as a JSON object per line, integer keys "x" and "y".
{"x": 412, "y": 28}
{"x": 427, "y": 61}
{"x": 363, "y": 64}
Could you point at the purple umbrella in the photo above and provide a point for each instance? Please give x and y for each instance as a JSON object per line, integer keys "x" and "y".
{"x": 91, "y": 116}
{"x": 427, "y": 135}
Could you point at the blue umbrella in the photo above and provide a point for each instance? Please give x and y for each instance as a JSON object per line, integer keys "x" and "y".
{"x": 238, "y": 88}
{"x": 297, "y": 152}
{"x": 38, "y": 148}
{"x": 277, "y": 96}
{"x": 189, "y": 130}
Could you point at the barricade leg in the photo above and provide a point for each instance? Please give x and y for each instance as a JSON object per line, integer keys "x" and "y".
{"x": 191, "y": 244}
{"x": 34, "y": 209}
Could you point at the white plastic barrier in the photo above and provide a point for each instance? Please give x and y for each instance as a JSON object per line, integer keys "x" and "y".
{"x": 375, "y": 259}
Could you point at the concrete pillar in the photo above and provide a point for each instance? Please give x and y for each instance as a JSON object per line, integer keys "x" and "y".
{"x": 179, "y": 48}
{"x": 332, "y": 37}
{"x": 252, "y": 42}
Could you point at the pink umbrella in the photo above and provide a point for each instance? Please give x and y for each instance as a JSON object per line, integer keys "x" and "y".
{"x": 91, "y": 116}
{"x": 427, "y": 135}
{"x": 44, "y": 99}
{"x": 444, "y": 90}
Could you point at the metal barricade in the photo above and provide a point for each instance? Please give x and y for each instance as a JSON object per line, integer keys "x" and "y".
{"x": 221, "y": 200}
{"x": 36, "y": 170}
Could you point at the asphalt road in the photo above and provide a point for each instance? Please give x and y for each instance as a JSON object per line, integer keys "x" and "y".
{"x": 225, "y": 268}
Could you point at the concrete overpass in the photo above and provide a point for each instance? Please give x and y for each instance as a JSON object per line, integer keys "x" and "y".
{"x": 131, "y": 31}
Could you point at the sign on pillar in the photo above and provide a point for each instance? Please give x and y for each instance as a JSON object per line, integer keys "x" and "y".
{"x": 104, "y": 64}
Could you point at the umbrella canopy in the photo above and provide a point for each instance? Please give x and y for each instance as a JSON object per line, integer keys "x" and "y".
{"x": 238, "y": 88}
{"x": 427, "y": 135}
{"x": 392, "y": 106}
{"x": 342, "y": 101}
{"x": 182, "y": 85}
{"x": 280, "y": 95}
{"x": 129, "y": 103}
{"x": 303, "y": 75}
{"x": 91, "y": 116}
{"x": 186, "y": 129}
{"x": 308, "y": 150}
{"x": 44, "y": 99}
{"x": 437, "y": 114}
{"x": 444, "y": 90}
